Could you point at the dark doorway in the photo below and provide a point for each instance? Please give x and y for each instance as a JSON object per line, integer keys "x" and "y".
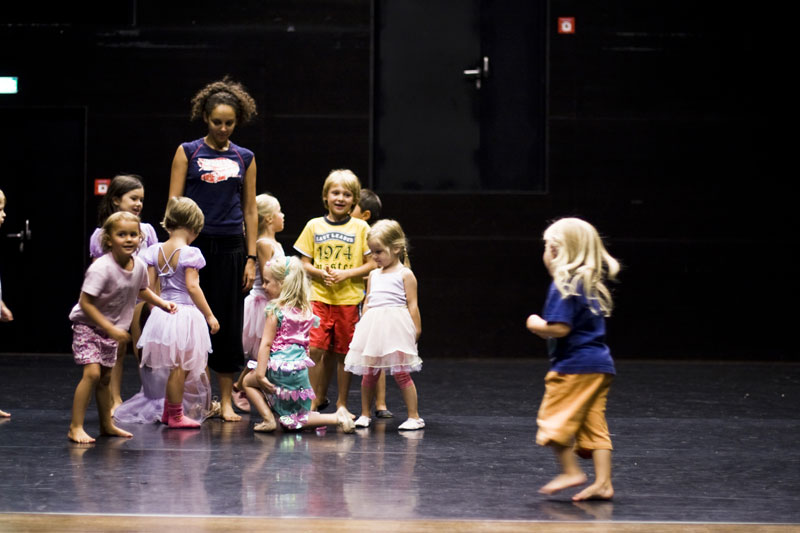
{"x": 42, "y": 245}
{"x": 460, "y": 96}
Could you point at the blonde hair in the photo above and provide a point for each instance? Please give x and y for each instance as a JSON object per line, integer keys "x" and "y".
{"x": 295, "y": 287}
{"x": 266, "y": 205}
{"x": 183, "y": 212}
{"x": 113, "y": 220}
{"x": 346, "y": 179}
{"x": 581, "y": 262}
{"x": 2, "y": 196}
{"x": 390, "y": 234}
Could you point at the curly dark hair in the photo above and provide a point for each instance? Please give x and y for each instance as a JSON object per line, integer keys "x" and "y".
{"x": 224, "y": 92}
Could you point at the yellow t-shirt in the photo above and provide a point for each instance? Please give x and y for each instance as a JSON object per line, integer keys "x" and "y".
{"x": 340, "y": 246}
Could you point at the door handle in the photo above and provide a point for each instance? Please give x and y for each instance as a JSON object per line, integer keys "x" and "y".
{"x": 24, "y": 235}
{"x": 479, "y": 73}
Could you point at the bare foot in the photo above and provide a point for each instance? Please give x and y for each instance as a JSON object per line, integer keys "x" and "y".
{"x": 563, "y": 481}
{"x": 340, "y": 407}
{"x": 228, "y": 415}
{"x": 267, "y": 426}
{"x": 114, "y": 431}
{"x": 79, "y": 435}
{"x": 595, "y": 491}
{"x": 3, "y": 414}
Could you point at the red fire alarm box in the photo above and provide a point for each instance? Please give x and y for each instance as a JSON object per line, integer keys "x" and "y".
{"x": 566, "y": 24}
{"x": 101, "y": 187}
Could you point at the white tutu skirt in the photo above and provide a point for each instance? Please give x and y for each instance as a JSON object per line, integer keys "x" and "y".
{"x": 254, "y": 319}
{"x": 176, "y": 340}
{"x": 147, "y": 406}
{"x": 384, "y": 339}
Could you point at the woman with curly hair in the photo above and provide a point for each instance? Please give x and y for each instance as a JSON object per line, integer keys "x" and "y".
{"x": 220, "y": 177}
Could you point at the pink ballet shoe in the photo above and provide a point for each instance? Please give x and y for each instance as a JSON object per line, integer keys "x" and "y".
{"x": 177, "y": 420}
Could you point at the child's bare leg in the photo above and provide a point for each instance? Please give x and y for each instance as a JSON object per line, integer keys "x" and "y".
{"x": 257, "y": 400}
{"x": 175, "y": 385}
{"x": 601, "y": 489}
{"x": 315, "y": 376}
{"x": 341, "y": 417}
{"x": 80, "y": 401}
{"x": 571, "y": 473}
{"x": 225, "y": 381}
{"x": 104, "y": 403}
{"x": 115, "y": 385}
{"x": 410, "y": 398}
{"x": 380, "y": 393}
{"x": 367, "y": 394}
{"x": 343, "y": 378}
{"x": 3, "y": 414}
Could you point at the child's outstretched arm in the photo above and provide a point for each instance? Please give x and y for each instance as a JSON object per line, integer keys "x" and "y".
{"x": 154, "y": 299}
{"x": 270, "y": 329}
{"x": 199, "y": 298}
{"x": 410, "y": 284}
{"x": 545, "y": 329}
{"x": 88, "y": 306}
{"x": 264, "y": 252}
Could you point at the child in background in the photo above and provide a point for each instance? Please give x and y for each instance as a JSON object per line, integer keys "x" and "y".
{"x": 179, "y": 341}
{"x": 281, "y": 371}
{"x": 270, "y": 222}
{"x": 572, "y": 418}
{"x": 386, "y": 337}
{"x": 5, "y": 312}
{"x": 369, "y": 210}
{"x": 335, "y": 256}
{"x": 125, "y": 193}
{"x": 102, "y": 316}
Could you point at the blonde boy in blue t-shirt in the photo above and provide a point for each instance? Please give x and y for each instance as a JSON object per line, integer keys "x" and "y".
{"x": 336, "y": 257}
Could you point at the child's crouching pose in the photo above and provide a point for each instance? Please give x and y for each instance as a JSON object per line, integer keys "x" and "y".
{"x": 572, "y": 415}
{"x": 180, "y": 341}
{"x": 386, "y": 337}
{"x": 281, "y": 371}
{"x": 102, "y": 317}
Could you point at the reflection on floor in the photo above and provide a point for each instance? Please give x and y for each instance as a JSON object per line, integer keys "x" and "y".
{"x": 695, "y": 442}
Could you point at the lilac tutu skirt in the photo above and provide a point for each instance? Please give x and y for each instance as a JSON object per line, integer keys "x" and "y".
{"x": 176, "y": 340}
{"x": 147, "y": 406}
{"x": 254, "y": 319}
{"x": 384, "y": 339}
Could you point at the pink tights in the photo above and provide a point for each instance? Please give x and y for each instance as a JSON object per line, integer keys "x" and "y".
{"x": 403, "y": 380}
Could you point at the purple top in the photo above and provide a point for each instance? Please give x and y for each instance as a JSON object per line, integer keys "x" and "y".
{"x": 214, "y": 180}
{"x": 293, "y": 327}
{"x": 173, "y": 281}
{"x": 148, "y": 232}
{"x": 114, "y": 289}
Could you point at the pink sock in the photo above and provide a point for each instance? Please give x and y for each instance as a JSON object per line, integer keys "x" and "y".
{"x": 176, "y": 418}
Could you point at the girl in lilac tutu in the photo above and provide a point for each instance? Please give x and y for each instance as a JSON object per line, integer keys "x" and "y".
{"x": 181, "y": 341}
{"x": 270, "y": 222}
{"x": 386, "y": 336}
{"x": 281, "y": 371}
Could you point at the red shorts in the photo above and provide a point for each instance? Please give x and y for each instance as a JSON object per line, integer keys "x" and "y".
{"x": 336, "y": 326}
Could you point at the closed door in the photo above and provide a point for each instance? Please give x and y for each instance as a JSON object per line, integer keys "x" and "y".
{"x": 460, "y": 96}
{"x": 43, "y": 248}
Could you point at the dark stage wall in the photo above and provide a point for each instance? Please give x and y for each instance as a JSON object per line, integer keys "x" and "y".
{"x": 658, "y": 130}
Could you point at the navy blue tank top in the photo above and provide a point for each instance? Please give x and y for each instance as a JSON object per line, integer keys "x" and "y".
{"x": 214, "y": 180}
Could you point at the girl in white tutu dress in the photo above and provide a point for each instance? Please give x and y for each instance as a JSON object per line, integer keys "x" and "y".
{"x": 180, "y": 341}
{"x": 270, "y": 222}
{"x": 386, "y": 336}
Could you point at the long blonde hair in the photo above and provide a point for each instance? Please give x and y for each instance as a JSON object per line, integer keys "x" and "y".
{"x": 390, "y": 234}
{"x": 295, "y": 287}
{"x": 581, "y": 262}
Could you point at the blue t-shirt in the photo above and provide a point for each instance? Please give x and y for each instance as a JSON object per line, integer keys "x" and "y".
{"x": 214, "y": 180}
{"x": 584, "y": 350}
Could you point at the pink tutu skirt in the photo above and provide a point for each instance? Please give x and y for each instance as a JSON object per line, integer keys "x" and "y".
{"x": 384, "y": 339}
{"x": 176, "y": 340}
{"x": 254, "y": 319}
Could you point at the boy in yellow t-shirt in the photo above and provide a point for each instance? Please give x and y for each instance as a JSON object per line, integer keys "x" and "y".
{"x": 336, "y": 257}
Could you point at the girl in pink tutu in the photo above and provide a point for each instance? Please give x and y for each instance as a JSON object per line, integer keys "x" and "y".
{"x": 181, "y": 341}
{"x": 386, "y": 336}
{"x": 270, "y": 222}
{"x": 281, "y": 371}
